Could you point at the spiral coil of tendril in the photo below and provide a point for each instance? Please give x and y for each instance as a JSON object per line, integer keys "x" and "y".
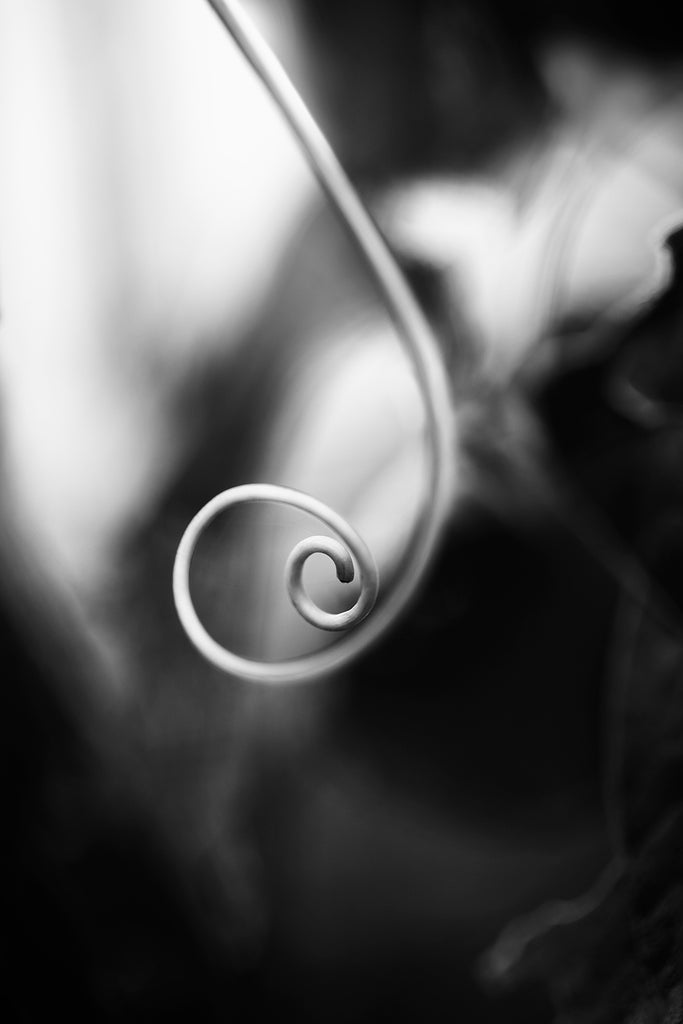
{"x": 350, "y": 551}
{"x": 353, "y": 549}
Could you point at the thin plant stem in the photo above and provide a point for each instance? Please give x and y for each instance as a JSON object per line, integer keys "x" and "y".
{"x": 413, "y": 330}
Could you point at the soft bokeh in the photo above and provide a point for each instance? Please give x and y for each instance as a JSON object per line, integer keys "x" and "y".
{"x": 182, "y": 312}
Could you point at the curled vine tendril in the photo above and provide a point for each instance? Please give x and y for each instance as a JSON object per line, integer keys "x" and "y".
{"x": 353, "y": 549}
{"x": 423, "y": 351}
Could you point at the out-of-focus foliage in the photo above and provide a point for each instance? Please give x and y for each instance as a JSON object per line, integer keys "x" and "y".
{"x": 181, "y": 313}
{"x": 616, "y": 954}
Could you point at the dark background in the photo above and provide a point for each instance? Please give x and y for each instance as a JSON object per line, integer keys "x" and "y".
{"x": 350, "y": 851}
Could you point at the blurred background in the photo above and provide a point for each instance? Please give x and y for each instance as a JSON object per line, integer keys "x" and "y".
{"x": 180, "y": 312}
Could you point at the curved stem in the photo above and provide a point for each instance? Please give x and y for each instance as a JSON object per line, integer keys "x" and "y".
{"x": 410, "y": 322}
